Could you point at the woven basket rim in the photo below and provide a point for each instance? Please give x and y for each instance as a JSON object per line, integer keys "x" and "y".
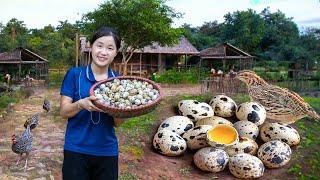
{"x": 121, "y": 110}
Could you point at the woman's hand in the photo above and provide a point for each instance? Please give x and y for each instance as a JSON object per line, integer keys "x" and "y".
{"x": 87, "y": 104}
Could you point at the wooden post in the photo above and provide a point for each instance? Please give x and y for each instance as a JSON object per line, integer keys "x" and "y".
{"x": 77, "y": 49}
{"x": 140, "y": 59}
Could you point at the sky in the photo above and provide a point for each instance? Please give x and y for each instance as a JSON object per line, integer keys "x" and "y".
{"x": 39, "y": 13}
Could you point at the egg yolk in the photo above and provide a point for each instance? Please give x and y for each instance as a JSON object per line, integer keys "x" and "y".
{"x": 222, "y": 134}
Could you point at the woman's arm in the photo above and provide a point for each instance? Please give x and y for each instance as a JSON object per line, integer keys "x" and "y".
{"x": 69, "y": 109}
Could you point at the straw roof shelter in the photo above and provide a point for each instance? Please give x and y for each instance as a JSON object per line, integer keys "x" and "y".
{"x": 21, "y": 59}
{"x": 224, "y": 52}
{"x": 149, "y": 59}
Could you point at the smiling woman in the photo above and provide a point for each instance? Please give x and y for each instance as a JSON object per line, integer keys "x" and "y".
{"x": 86, "y": 122}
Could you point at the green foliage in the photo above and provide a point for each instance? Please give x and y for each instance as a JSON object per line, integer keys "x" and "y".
{"x": 177, "y": 75}
{"x": 140, "y": 23}
{"x": 244, "y": 28}
{"x": 13, "y": 97}
{"x": 56, "y": 77}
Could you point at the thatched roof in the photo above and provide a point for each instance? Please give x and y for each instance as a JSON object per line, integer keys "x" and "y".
{"x": 183, "y": 47}
{"x": 21, "y": 56}
{"x": 224, "y": 50}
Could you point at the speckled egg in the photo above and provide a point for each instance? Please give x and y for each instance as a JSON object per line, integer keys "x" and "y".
{"x": 196, "y": 137}
{"x": 169, "y": 143}
{"x": 211, "y": 159}
{"x": 247, "y": 129}
{"x": 223, "y": 106}
{"x": 274, "y": 154}
{"x": 246, "y": 166}
{"x": 214, "y": 120}
{"x": 177, "y": 124}
{"x": 279, "y": 131}
{"x": 195, "y": 110}
{"x": 251, "y": 111}
{"x": 244, "y": 145}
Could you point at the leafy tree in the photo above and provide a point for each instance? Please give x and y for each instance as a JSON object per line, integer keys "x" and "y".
{"x": 244, "y": 29}
{"x": 279, "y": 29}
{"x": 201, "y": 38}
{"x": 14, "y": 34}
{"x": 140, "y": 22}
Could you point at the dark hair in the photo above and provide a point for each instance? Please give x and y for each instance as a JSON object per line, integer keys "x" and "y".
{"x": 107, "y": 31}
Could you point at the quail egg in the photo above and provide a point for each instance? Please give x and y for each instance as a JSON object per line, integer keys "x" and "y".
{"x": 223, "y": 106}
{"x": 247, "y": 129}
{"x": 169, "y": 143}
{"x": 177, "y": 124}
{"x": 244, "y": 145}
{"x": 246, "y": 166}
{"x": 196, "y": 137}
{"x": 211, "y": 159}
{"x": 195, "y": 110}
{"x": 274, "y": 154}
{"x": 251, "y": 111}
{"x": 279, "y": 131}
{"x": 222, "y": 136}
{"x": 214, "y": 120}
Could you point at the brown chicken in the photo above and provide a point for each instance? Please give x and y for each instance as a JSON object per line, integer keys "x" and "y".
{"x": 280, "y": 103}
{"x": 22, "y": 144}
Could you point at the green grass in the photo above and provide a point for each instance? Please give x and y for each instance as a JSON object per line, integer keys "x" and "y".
{"x": 13, "y": 97}
{"x": 307, "y": 166}
{"x": 135, "y": 127}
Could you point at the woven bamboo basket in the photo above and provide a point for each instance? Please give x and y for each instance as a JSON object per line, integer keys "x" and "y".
{"x": 128, "y": 112}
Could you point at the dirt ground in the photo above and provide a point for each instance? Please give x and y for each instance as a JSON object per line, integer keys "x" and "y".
{"x": 45, "y": 160}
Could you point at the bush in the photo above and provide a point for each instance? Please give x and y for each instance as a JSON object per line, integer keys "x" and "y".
{"x": 14, "y": 97}
{"x": 176, "y": 75}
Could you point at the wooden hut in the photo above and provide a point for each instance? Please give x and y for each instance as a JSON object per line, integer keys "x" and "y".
{"x": 21, "y": 62}
{"x": 226, "y": 52}
{"x": 219, "y": 57}
{"x": 150, "y": 59}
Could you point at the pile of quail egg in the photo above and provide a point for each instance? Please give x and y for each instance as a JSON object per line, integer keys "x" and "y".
{"x": 126, "y": 93}
{"x": 244, "y": 159}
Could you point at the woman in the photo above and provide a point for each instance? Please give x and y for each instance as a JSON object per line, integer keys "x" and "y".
{"x": 91, "y": 147}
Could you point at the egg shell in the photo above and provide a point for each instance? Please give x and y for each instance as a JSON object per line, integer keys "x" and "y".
{"x": 196, "y": 137}
{"x": 214, "y": 120}
{"x": 223, "y": 106}
{"x": 177, "y": 124}
{"x": 244, "y": 145}
{"x": 246, "y": 166}
{"x": 251, "y": 111}
{"x": 169, "y": 143}
{"x": 274, "y": 154}
{"x": 211, "y": 159}
{"x": 247, "y": 129}
{"x": 279, "y": 131}
{"x": 221, "y": 132}
{"x": 195, "y": 110}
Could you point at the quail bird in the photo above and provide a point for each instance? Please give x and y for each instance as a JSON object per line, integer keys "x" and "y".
{"x": 46, "y": 106}
{"x": 280, "y": 103}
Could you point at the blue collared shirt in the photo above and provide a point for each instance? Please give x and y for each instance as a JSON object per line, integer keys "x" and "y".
{"x": 88, "y": 132}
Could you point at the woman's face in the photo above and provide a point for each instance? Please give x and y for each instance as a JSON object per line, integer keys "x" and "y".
{"x": 104, "y": 50}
